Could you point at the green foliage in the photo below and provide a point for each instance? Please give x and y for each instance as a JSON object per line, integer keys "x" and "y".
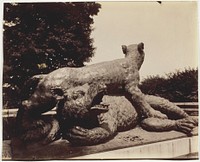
{"x": 41, "y": 37}
{"x": 181, "y": 86}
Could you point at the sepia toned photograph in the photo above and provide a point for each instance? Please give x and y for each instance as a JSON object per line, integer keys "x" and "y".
{"x": 104, "y": 80}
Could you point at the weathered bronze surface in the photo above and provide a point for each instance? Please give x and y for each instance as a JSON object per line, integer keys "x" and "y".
{"x": 95, "y": 102}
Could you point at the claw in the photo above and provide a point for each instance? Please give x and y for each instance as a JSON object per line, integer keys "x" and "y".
{"x": 191, "y": 126}
{"x": 74, "y": 138}
{"x": 185, "y": 125}
{"x": 78, "y": 131}
{"x": 185, "y": 130}
{"x": 193, "y": 119}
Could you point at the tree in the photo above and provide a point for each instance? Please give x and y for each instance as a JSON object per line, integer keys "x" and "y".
{"x": 180, "y": 86}
{"x": 41, "y": 37}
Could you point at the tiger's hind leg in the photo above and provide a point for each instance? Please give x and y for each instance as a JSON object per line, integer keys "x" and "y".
{"x": 170, "y": 109}
{"x": 184, "y": 125}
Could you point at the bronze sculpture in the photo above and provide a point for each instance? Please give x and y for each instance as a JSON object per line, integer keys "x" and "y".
{"x": 83, "y": 118}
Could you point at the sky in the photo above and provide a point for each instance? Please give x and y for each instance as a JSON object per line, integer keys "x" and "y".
{"x": 168, "y": 30}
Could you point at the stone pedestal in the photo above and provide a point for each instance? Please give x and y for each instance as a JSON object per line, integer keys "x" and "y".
{"x": 132, "y": 144}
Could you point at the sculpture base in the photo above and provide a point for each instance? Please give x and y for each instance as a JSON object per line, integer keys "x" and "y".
{"x": 132, "y": 144}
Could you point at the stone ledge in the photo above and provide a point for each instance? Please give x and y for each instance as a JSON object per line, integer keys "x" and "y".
{"x": 170, "y": 149}
{"x": 133, "y": 144}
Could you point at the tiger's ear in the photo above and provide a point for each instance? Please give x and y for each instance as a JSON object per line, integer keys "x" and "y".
{"x": 124, "y": 49}
{"x": 141, "y": 47}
